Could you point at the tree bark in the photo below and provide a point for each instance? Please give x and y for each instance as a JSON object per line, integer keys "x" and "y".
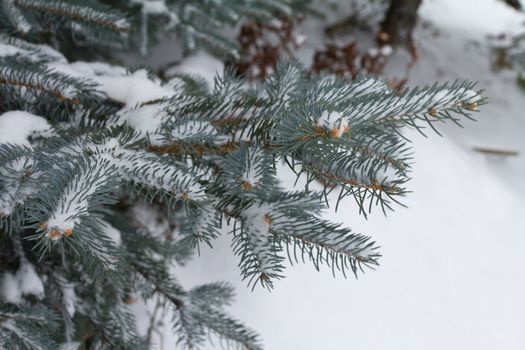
{"x": 399, "y": 22}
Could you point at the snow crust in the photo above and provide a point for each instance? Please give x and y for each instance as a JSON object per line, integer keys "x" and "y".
{"x": 256, "y": 218}
{"x": 152, "y": 6}
{"x": 134, "y": 88}
{"x": 69, "y": 299}
{"x": 24, "y": 282}
{"x": 9, "y": 50}
{"x": 199, "y": 63}
{"x": 17, "y": 126}
{"x": 136, "y": 91}
{"x": 474, "y": 19}
{"x": 256, "y": 222}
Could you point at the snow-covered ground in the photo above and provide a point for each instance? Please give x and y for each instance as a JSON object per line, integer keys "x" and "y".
{"x": 451, "y": 274}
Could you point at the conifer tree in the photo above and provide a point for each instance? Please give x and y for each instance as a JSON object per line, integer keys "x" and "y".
{"x": 109, "y": 177}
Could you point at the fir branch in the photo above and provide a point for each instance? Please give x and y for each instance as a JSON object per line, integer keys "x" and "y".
{"x": 249, "y": 172}
{"x": 326, "y": 242}
{"x": 260, "y": 262}
{"x": 218, "y": 294}
{"x": 229, "y": 330}
{"x": 158, "y": 173}
{"x": 31, "y": 52}
{"x": 13, "y": 14}
{"x": 87, "y": 12}
{"x": 198, "y": 155}
{"x": 88, "y": 185}
{"x": 18, "y": 183}
{"x": 114, "y": 328}
{"x": 36, "y": 80}
{"x": 200, "y": 225}
{"x": 27, "y": 327}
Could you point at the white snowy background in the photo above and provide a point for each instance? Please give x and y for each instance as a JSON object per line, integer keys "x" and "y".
{"x": 451, "y": 276}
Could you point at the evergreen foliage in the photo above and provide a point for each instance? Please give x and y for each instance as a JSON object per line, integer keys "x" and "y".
{"x": 91, "y": 154}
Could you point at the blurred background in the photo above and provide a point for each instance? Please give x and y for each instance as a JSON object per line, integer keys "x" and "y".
{"x": 451, "y": 276}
